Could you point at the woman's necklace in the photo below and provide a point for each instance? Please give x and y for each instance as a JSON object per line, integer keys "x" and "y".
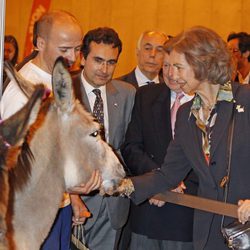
{"x": 207, "y": 109}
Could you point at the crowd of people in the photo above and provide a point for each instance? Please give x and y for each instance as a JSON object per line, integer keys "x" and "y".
{"x": 195, "y": 73}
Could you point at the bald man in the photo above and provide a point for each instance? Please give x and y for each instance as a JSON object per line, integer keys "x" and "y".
{"x": 58, "y": 33}
{"x": 150, "y": 54}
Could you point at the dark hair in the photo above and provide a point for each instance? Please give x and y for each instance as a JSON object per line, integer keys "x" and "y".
{"x": 205, "y": 52}
{"x": 244, "y": 41}
{"x": 11, "y": 39}
{"x": 101, "y": 35}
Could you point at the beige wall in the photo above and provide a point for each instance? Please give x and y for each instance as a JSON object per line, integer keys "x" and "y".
{"x": 131, "y": 17}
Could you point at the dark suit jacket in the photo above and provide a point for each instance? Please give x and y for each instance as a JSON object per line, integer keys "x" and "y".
{"x": 120, "y": 100}
{"x": 147, "y": 139}
{"x": 185, "y": 152}
{"x": 130, "y": 78}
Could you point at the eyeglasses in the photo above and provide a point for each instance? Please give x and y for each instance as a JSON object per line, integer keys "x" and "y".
{"x": 110, "y": 63}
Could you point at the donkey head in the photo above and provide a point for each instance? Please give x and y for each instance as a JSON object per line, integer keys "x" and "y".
{"x": 81, "y": 143}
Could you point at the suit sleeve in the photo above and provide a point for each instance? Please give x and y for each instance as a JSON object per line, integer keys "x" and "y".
{"x": 174, "y": 169}
{"x": 134, "y": 155}
{"x": 133, "y": 152}
{"x": 172, "y": 172}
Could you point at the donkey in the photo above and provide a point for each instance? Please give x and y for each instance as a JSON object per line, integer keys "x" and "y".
{"x": 62, "y": 148}
{"x": 12, "y": 133}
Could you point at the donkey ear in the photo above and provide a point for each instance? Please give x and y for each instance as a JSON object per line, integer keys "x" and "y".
{"x": 14, "y": 129}
{"x": 62, "y": 86}
{"x": 26, "y": 86}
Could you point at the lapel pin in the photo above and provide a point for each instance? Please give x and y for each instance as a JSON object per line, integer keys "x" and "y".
{"x": 116, "y": 104}
{"x": 240, "y": 109}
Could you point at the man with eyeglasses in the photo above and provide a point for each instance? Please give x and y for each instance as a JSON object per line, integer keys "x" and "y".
{"x": 150, "y": 56}
{"x": 111, "y": 102}
{"x": 239, "y": 45}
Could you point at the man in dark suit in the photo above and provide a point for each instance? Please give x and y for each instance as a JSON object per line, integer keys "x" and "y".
{"x": 147, "y": 138}
{"x": 101, "y": 48}
{"x": 150, "y": 55}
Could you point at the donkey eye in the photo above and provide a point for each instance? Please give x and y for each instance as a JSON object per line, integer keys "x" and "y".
{"x": 95, "y": 134}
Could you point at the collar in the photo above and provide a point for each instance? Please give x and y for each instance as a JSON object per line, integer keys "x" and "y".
{"x": 224, "y": 94}
{"x": 141, "y": 78}
{"x": 188, "y": 97}
{"x": 89, "y": 88}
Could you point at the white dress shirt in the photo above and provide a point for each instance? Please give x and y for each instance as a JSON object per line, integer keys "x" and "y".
{"x": 142, "y": 79}
{"x": 245, "y": 80}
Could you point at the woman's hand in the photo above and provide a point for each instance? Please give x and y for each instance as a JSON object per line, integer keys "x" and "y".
{"x": 180, "y": 189}
{"x": 244, "y": 211}
{"x": 126, "y": 187}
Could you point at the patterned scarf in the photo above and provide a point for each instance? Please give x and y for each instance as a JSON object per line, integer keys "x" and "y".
{"x": 206, "y": 126}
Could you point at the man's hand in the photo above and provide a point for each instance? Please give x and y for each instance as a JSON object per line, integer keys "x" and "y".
{"x": 180, "y": 189}
{"x": 94, "y": 183}
{"x": 80, "y": 211}
{"x": 156, "y": 202}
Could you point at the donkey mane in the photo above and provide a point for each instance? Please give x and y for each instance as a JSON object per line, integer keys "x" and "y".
{"x": 19, "y": 175}
{"x": 19, "y": 159}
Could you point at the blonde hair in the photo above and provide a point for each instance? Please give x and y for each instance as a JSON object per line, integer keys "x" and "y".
{"x": 205, "y": 52}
